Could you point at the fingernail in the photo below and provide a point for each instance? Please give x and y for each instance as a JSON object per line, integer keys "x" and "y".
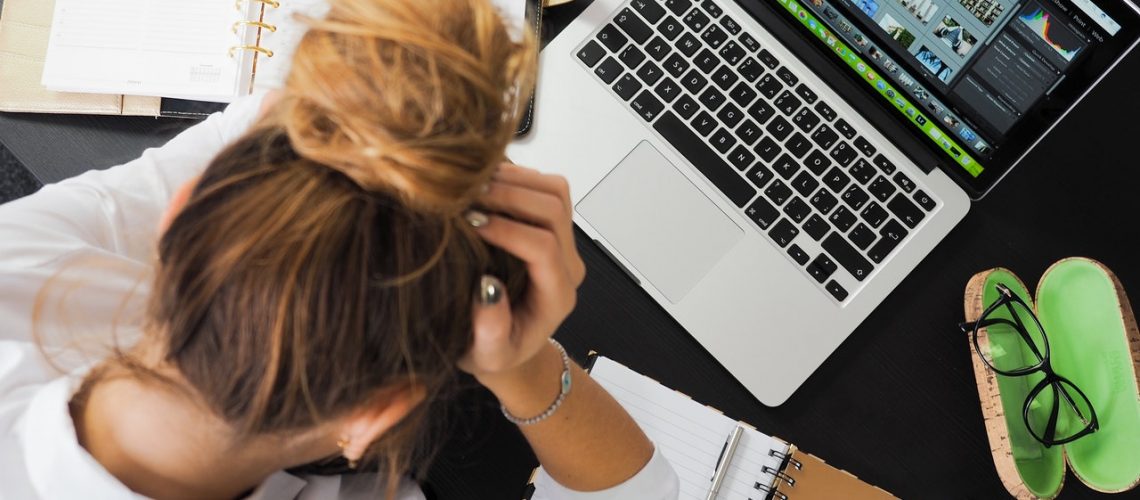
{"x": 477, "y": 219}
{"x": 490, "y": 290}
{"x": 485, "y": 189}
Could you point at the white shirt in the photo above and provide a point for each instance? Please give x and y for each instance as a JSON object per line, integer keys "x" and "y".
{"x": 93, "y": 237}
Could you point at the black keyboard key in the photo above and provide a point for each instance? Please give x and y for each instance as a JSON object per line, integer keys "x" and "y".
{"x": 797, "y": 210}
{"x": 784, "y": 232}
{"x": 862, "y": 144}
{"x": 823, "y": 201}
{"x": 808, "y": 95}
{"x": 786, "y": 166}
{"x": 671, "y": 29}
{"x": 845, "y": 128}
{"x": 591, "y": 53}
{"x": 843, "y": 219}
{"x": 825, "y": 137}
{"x": 693, "y": 148}
{"x": 769, "y": 86}
{"x": 725, "y": 77}
{"x": 904, "y": 182}
{"x": 836, "y": 290}
{"x": 778, "y": 192}
{"x": 730, "y": 25}
{"x": 881, "y": 188}
{"x": 650, "y": 73}
{"x": 712, "y": 8}
{"x": 627, "y": 86}
{"x": 816, "y": 227}
{"x": 707, "y": 61}
{"x": 825, "y": 111}
{"x": 741, "y": 157}
{"x": 874, "y": 214}
{"x": 742, "y": 94}
{"x": 714, "y": 36}
{"x": 798, "y": 145}
{"x": 633, "y": 26}
{"x": 712, "y": 98}
{"x": 676, "y": 65}
{"x": 668, "y": 90}
{"x": 689, "y": 45}
{"x": 798, "y": 254}
{"x": 749, "y": 132}
{"x": 686, "y": 107}
{"x": 805, "y": 183}
{"x": 848, "y": 256}
{"x": 750, "y": 42}
{"x": 612, "y": 38}
{"x": 906, "y": 211}
{"x": 786, "y": 75}
{"x": 609, "y": 70}
{"x": 779, "y": 128}
{"x": 632, "y": 57}
{"x": 730, "y": 115}
{"x": 788, "y": 103}
{"x": 862, "y": 171}
{"x": 658, "y": 48}
{"x": 696, "y": 20}
{"x": 821, "y": 268}
{"x": 817, "y": 162}
{"x": 762, "y": 213}
{"x": 884, "y": 164}
{"x": 732, "y": 53}
{"x": 862, "y": 236}
{"x": 694, "y": 81}
{"x": 722, "y": 140}
{"x": 761, "y": 111}
{"x": 890, "y": 236}
{"x": 836, "y": 180}
{"x": 647, "y": 106}
{"x": 678, "y": 7}
{"x": 767, "y": 149}
{"x": 760, "y": 175}
{"x": 924, "y": 200}
{"x": 750, "y": 70}
{"x": 704, "y": 123}
{"x": 806, "y": 120}
{"x": 768, "y": 59}
{"x": 855, "y": 197}
{"x": 844, "y": 154}
{"x": 650, "y": 9}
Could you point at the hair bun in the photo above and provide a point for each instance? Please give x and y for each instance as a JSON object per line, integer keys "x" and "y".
{"x": 414, "y": 97}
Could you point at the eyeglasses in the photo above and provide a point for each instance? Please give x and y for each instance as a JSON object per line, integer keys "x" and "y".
{"x": 1055, "y": 411}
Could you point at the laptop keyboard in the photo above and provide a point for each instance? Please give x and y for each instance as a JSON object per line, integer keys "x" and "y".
{"x": 767, "y": 141}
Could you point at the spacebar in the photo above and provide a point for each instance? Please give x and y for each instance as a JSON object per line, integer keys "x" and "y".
{"x": 722, "y": 175}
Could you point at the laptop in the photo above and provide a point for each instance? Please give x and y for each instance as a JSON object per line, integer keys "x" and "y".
{"x": 769, "y": 170}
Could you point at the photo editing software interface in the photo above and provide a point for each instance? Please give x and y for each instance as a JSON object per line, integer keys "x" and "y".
{"x": 964, "y": 72}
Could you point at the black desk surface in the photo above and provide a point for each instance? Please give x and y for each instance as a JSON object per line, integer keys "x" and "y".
{"x": 896, "y": 404}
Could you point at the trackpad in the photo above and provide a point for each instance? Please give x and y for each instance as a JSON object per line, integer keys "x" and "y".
{"x": 659, "y": 221}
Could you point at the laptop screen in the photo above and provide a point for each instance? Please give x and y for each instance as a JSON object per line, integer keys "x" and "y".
{"x": 979, "y": 80}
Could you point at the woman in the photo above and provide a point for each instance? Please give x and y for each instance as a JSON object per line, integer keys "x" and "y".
{"x": 319, "y": 282}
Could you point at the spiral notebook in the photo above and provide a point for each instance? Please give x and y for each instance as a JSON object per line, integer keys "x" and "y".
{"x": 696, "y": 440}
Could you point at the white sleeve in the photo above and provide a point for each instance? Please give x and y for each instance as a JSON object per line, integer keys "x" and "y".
{"x": 656, "y": 481}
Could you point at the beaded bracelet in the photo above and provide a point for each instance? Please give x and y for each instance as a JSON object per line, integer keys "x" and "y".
{"x": 564, "y": 384}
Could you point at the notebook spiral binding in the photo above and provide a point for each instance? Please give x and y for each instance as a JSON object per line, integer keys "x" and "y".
{"x": 787, "y": 458}
{"x": 771, "y": 492}
{"x": 239, "y": 25}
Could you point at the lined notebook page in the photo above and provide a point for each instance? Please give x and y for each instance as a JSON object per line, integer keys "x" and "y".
{"x": 691, "y": 435}
{"x": 166, "y": 48}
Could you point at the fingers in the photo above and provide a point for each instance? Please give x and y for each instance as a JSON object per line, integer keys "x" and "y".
{"x": 539, "y": 248}
{"x": 491, "y": 324}
{"x": 555, "y": 185}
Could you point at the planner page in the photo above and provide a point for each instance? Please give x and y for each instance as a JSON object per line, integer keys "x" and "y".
{"x": 166, "y": 48}
{"x": 691, "y": 436}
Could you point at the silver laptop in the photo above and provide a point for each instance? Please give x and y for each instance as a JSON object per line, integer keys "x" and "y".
{"x": 769, "y": 170}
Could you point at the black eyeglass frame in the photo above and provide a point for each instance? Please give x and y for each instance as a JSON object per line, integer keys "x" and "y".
{"x": 1007, "y": 298}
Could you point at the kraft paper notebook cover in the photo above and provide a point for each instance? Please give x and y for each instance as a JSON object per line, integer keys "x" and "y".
{"x": 693, "y": 438}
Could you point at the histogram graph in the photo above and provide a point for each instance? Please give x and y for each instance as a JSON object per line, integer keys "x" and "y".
{"x": 1061, "y": 39}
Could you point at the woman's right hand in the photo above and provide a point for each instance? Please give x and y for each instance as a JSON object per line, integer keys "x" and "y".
{"x": 536, "y": 226}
